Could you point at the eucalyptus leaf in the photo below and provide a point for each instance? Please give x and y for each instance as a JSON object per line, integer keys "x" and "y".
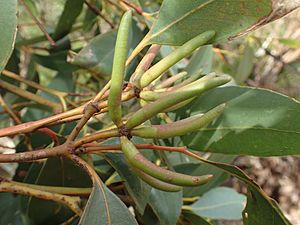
{"x": 258, "y": 207}
{"x": 55, "y": 61}
{"x": 269, "y": 211}
{"x": 180, "y": 22}
{"x": 220, "y": 203}
{"x": 71, "y": 11}
{"x": 59, "y": 172}
{"x": 8, "y": 27}
{"x": 166, "y": 205}
{"x": 105, "y": 208}
{"x": 255, "y": 122}
{"x": 97, "y": 56}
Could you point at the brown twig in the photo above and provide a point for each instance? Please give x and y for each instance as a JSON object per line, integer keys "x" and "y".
{"x": 67, "y": 116}
{"x": 35, "y": 155}
{"x": 33, "y": 125}
{"x": 28, "y": 95}
{"x": 136, "y": 8}
{"x": 50, "y": 133}
{"x": 95, "y": 10}
{"x": 15, "y": 118}
{"x": 40, "y": 25}
{"x": 71, "y": 202}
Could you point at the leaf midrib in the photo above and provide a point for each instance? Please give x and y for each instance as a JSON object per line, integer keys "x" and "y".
{"x": 248, "y": 128}
{"x": 181, "y": 18}
{"x": 217, "y": 205}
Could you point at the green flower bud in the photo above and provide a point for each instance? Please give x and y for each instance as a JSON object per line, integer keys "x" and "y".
{"x": 181, "y": 52}
{"x": 137, "y": 160}
{"x": 181, "y": 127}
{"x": 117, "y": 77}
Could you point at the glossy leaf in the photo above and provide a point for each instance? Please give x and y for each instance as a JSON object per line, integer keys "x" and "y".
{"x": 105, "y": 208}
{"x": 220, "y": 203}
{"x": 55, "y": 172}
{"x": 8, "y": 27}
{"x": 98, "y": 55}
{"x": 166, "y": 205}
{"x": 138, "y": 190}
{"x": 56, "y": 61}
{"x": 258, "y": 207}
{"x": 178, "y": 23}
{"x": 269, "y": 213}
{"x": 255, "y": 122}
{"x": 71, "y": 11}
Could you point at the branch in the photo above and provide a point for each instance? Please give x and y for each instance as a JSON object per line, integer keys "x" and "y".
{"x": 6, "y": 108}
{"x": 95, "y": 10}
{"x": 35, "y": 155}
{"x": 28, "y": 95}
{"x": 71, "y": 202}
{"x": 40, "y": 25}
{"x": 70, "y": 191}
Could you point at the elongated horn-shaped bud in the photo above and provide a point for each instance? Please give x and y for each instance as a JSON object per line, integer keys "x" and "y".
{"x": 181, "y": 52}
{"x": 171, "y": 80}
{"x": 118, "y": 70}
{"x": 136, "y": 159}
{"x": 158, "y": 184}
{"x": 189, "y": 91}
{"x": 155, "y": 95}
{"x": 191, "y": 79}
{"x": 181, "y": 127}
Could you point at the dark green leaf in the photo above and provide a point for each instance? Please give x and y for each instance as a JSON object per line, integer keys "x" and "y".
{"x": 71, "y": 11}
{"x": 180, "y": 22}
{"x": 166, "y": 205}
{"x": 97, "y": 56}
{"x": 255, "y": 122}
{"x": 55, "y": 172}
{"x": 56, "y": 61}
{"x": 260, "y": 209}
{"x": 8, "y": 27}
{"x": 220, "y": 203}
{"x": 105, "y": 208}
